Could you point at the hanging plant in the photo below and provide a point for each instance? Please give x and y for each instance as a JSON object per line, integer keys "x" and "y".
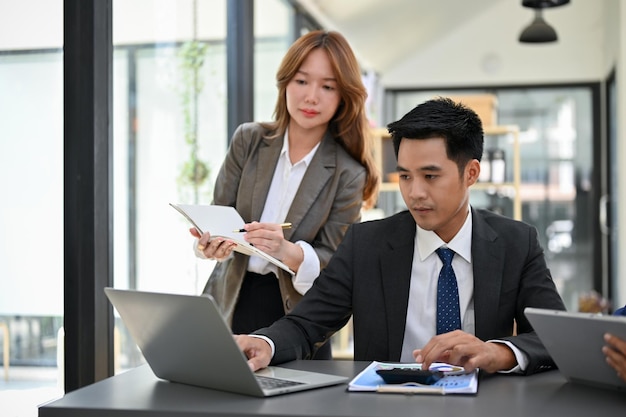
{"x": 194, "y": 171}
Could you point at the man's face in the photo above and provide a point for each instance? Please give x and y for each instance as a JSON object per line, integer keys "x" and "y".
{"x": 434, "y": 191}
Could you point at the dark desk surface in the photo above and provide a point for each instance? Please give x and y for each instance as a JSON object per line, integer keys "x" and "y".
{"x": 139, "y": 393}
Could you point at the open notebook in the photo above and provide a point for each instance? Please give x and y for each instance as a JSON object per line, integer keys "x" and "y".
{"x": 575, "y": 341}
{"x": 223, "y": 221}
{"x": 185, "y": 339}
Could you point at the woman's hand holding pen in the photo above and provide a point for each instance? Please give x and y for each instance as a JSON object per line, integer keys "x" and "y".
{"x": 269, "y": 238}
{"x": 218, "y": 248}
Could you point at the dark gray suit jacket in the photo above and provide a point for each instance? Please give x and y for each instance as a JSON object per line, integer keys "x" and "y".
{"x": 328, "y": 201}
{"x": 369, "y": 278}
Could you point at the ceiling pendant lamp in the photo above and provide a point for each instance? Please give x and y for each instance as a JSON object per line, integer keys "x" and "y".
{"x": 539, "y": 31}
{"x": 542, "y": 4}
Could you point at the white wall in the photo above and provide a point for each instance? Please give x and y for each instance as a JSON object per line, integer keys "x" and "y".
{"x": 31, "y": 24}
{"x": 485, "y": 50}
{"x": 611, "y": 26}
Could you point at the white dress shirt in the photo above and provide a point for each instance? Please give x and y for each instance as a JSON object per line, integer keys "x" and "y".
{"x": 421, "y": 316}
{"x": 284, "y": 186}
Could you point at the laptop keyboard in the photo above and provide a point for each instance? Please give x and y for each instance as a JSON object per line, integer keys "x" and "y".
{"x": 269, "y": 383}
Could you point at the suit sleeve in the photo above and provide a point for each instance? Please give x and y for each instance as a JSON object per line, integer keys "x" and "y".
{"x": 536, "y": 289}
{"x": 229, "y": 176}
{"x": 326, "y": 308}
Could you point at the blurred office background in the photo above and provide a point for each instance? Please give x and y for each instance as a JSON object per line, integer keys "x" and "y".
{"x": 171, "y": 117}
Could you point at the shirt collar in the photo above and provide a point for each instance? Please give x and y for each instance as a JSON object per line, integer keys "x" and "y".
{"x": 461, "y": 243}
{"x": 284, "y": 153}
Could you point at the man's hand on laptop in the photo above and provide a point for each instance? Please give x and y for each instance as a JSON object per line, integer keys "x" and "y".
{"x": 257, "y": 350}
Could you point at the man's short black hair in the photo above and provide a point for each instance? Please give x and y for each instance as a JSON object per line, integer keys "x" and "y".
{"x": 456, "y": 123}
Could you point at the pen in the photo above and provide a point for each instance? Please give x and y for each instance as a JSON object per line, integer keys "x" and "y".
{"x": 282, "y": 225}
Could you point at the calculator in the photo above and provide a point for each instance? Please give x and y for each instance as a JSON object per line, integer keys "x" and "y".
{"x": 408, "y": 375}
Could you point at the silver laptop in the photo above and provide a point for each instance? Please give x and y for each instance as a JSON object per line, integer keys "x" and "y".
{"x": 575, "y": 341}
{"x": 185, "y": 339}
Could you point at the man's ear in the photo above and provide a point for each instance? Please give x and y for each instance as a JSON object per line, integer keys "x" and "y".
{"x": 472, "y": 171}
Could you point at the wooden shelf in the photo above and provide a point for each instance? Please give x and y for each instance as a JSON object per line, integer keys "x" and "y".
{"x": 380, "y": 135}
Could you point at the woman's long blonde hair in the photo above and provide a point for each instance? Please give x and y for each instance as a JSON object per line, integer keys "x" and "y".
{"x": 349, "y": 125}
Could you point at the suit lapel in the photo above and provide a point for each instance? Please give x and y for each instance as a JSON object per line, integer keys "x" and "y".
{"x": 396, "y": 264}
{"x": 269, "y": 151}
{"x": 488, "y": 266}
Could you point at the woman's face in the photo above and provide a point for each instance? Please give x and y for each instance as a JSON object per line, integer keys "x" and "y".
{"x": 312, "y": 94}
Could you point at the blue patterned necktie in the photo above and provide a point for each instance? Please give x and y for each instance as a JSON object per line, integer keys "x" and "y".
{"x": 448, "y": 312}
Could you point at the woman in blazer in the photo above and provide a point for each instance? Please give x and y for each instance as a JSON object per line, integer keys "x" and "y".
{"x": 310, "y": 167}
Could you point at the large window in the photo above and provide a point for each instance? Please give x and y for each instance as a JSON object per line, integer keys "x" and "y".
{"x": 31, "y": 214}
{"x": 169, "y": 108}
{"x": 170, "y": 97}
{"x": 170, "y": 104}
{"x": 272, "y": 33}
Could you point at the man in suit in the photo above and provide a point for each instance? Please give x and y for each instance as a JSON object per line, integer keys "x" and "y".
{"x": 385, "y": 273}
